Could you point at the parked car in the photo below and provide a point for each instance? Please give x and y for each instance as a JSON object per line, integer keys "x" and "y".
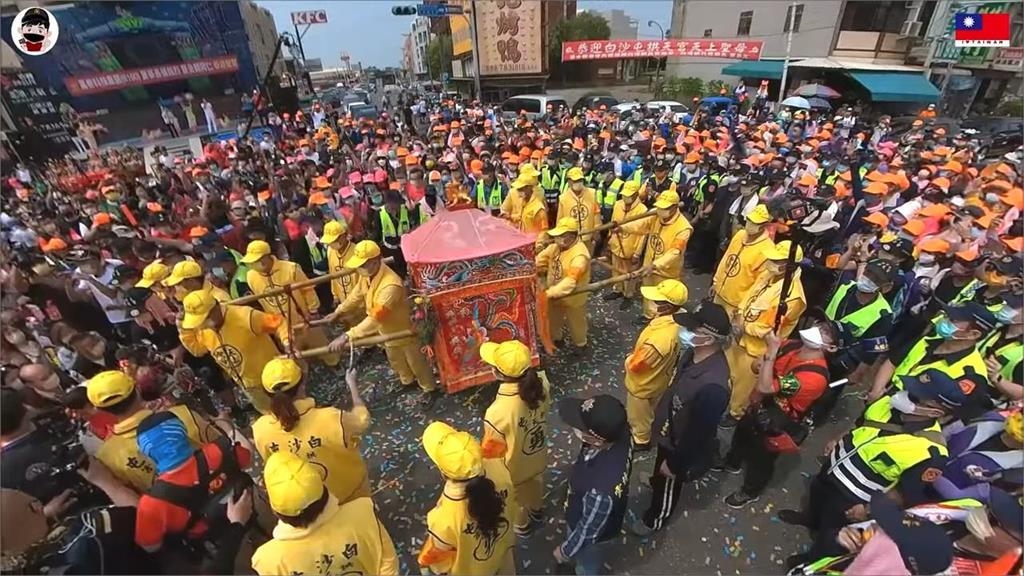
{"x": 902, "y": 124}
{"x": 997, "y": 136}
{"x": 535, "y": 105}
{"x": 677, "y": 108}
{"x": 363, "y": 111}
{"x": 594, "y": 101}
{"x": 717, "y": 104}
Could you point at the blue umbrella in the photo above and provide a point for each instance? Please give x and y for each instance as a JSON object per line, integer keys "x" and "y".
{"x": 819, "y": 103}
{"x": 816, "y": 91}
{"x": 797, "y": 102}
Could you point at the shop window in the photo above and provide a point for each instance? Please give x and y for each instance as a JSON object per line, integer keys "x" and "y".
{"x": 796, "y": 15}
{"x": 746, "y": 19}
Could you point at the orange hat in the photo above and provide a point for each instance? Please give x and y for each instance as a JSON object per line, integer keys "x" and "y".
{"x": 476, "y": 166}
{"x": 536, "y": 155}
{"x": 846, "y": 176}
{"x": 101, "y": 219}
{"x": 525, "y": 151}
{"x": 692, "y": 158}
{"x": 605, "y": 135}
{"x": 659, "y": 141}
{"x": 454, "y": 124}
{"x": 441, "y": 128}
{"x": 968, "y": 255}
{"x": 411, "y": 160}
{"x": 902, "y": 181}
{"x": 934, "y": 210}
{"x": 876, "y": 188}
{"x": 914, "y": 227}
{"x": 824, "y": 135}
{"x": 934, "y": 245}
{"x": 916, "y": 123}
{"x": 394, "y": 186}
{"x": 434, "y": 176}
{"x": 1014, "y": 197}
{"x": 940, "y": 182}
{"x": 154, "y": 207}
{"x": 807, "y": 179}
{"x": 263, "y": 195}
{"x": 321, "y": 183}
{"x": 197, "y": 232}
{"x": 1004, "y": 169}
{"x": 513, "y": 159}
{"x": 985, "y": 220}
{"x": 711, "y": 145}
{"x": 318, "y": 199}
{"x": 55, "y": 245}
{"x": 878, "y": 219}
{"x": 841, "y": 190}
{"x": 1001, "y": 185}
{"x": 1015, "y": 244}
{"x": 953, "y": 165}
{"x": 876, "y": 176}
{"x": 401, "y": 152}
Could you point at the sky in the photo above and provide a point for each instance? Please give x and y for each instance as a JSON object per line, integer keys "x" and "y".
{"x": 370, "y": 34}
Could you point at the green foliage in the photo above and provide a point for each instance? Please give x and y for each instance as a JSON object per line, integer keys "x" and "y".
{"x": 715, "y": 87}
{"x": 439, "y": 56}
{"x": 679, "y": 89}
{"x": 584, "y": 26}
{"x": 1013, "y": 107}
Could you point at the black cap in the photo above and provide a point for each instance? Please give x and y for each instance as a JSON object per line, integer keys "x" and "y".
{"x": 35, "y": 16}
{"x": 884, "y": 270}
{"x": 1010, "y": 265}
{"x": 603, "y": 416}
{"x": 899, "y": 246}
{"x": 136, "y": 298}
{"x": 974, "y": 313}
{"x": 121, "y": 273}
{"x": 1007, "y": 509}
{"x": 707, "y": 315}
{"x": 924, "y": 546}
{"x": 661, "y": 164}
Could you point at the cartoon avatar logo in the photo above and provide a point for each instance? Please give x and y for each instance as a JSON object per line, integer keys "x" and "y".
{"x": 34, "y": 31}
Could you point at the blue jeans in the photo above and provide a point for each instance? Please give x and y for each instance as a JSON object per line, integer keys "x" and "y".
{"x": 590, "y": 559}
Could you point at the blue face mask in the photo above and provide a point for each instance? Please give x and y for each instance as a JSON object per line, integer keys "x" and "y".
{"x": 686, "y": 337}
{"x": 866, "y": 285}
{"x": 637, "y": 159}
{"x": 976, "y": 233}
{"x": 1006, "y": 314}
{"x": 842, "y": 168}
{"x": 945, "y": 328}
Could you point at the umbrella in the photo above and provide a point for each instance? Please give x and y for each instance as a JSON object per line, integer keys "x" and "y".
{"x": 819, "y": 103}
{"x": 797, "y": 102}
{"x": 815, "y": 90}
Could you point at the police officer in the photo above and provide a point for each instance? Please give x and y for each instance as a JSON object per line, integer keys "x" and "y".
{"x": 607, "y": 187}
{"x": 489, "y": 193}
{"x": 1004, "y": 350}
{"x": 984, "y": 453}
{"x": 552, "y": 182}
{"x": 657, "y": 183}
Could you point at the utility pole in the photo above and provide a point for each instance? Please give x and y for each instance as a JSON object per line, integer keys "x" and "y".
{"x": 789, "y": 51}
{"x": 476, "y": 50}
{"x": 657, "y": 71}
{"x": 302, "y": 53}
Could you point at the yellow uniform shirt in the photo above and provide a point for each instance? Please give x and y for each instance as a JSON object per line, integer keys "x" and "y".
{"x": 387, "y": 309}
{"x": 583, "y": 208}
{"x": 566, "y": 269}
{"x": 666, "y": 244}
{"x": 120, "y": 450}
{"x": 739, "y": 267}
{"x": 345, "y": 540}
{"x": 512, "y": 207}
{"x": 626, "y": 241}
{"x": 517, "y": 434}
{"x": 341, "y": 287}
{"x": 242, "y": 346}
{"x": 534, "y": 216}
{"x": 281, "y": 274}
{"x": 219, "y": 294}
{"x": 758, "y": 309}
{"x": 649, "y": 368}
{"x": 325, "y": 436}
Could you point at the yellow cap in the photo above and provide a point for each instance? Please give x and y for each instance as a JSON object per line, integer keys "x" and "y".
{"x": 197, "y": 307}
{"x": 108, "y": 388}
{"x": 293, "y": 483}
{"x": 153, "y": 273}
{"x": 667, "y": 199}
{"x": 1015, "y": 426}
{"x": 563, "y": 226}
{"x": 332, "y": 231}
{"x": 182, "y": 271}
{"x": 511, "y": 358}
{"x": 255, "y": 250}
{"x": 364, "y": 251}
{"x": 671, "y": 291}
{"x": 781, "y": 251}
{"x": 524, "y": 180}
{"x": 457, "y": 454}
{"x": 631, "y": 188}
{"x": 759, "y": 215}
{"x": 281, "y": 374}
{"x": 575, "y": 173}
{"x": 528, "y": 169}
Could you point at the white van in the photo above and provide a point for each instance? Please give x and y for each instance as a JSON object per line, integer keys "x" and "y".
{"x": 535, "y": 105}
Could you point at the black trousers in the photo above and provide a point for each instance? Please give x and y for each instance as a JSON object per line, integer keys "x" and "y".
{"x": 748, "y": 448}
{"x": 826, "y": 509}
{"x": 664, "y": 494}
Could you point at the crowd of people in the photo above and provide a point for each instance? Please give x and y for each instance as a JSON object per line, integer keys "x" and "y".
{"x": 164, "y": 311}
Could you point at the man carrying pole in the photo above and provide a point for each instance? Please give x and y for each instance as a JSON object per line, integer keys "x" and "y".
{"x": 567, "y": 262}
{"x": 666, "y": 244}
{"x": 625, "y": 241}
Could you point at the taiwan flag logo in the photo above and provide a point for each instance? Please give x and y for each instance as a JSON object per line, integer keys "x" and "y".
{"x": 974, "y": 30}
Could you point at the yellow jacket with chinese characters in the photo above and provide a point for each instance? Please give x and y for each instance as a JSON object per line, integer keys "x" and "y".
{"x": 517, "y": 434}
{"x": 387, "y": 310}
{"x": 757, "y": 311}
{"x": 566, "y": 269}
{"x": 283, "y": 273}
{"x": 650, "y": 367}
{"x": 627, "y": 240}
{"x": 740, "y": 265}
{"x": 666, "y": 244}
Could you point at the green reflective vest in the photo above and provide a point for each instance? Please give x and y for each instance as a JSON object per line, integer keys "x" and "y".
{"x": 238, "y": 281}
{"x": 869, "y": 460}
{"x": 387, "y": 225}
{"x": 1009, "y": 355}
{"x": 608, "y": 193}
{"x": 912, "y": 364}
{"x": 698, "y": 195}
{"x": 493, "y": 197}
{"x": 830, "y": 180}
{"x": 860, "y": 319}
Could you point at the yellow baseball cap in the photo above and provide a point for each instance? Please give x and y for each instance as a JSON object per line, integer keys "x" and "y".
{"x": 671, "y": 291}
{"x": 563, "y": 226}
{"x": 197, "y": 307}
{"x": 525, "y": 179}
{"x": 293, "y": 483}
{"x": 255, "y": 250}
{"x": 364, "y": 251}
{"x": 281, "y": 374}
{"x": 456, "y": 453}
{"x": 108, "y": 388}
{"x": 781, "y": 251}
{"x": 528, "y": 170}
{"x": 759, "y": 215}
{"x": 183, "y": 271}
{"x": 575, "y": 173}
{"x": 153, "y": 273}
{"x": 631, "y": 188}
{"x": 667, "y": 199}
{"x": 332, "y": 231}
{"x": 511, "y": 358}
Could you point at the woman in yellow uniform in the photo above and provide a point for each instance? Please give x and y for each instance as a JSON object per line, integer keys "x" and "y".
{"x": 325, "y": 436}
{"x": 315, "y": 533}
{"x": 468, "y": 532}
{"x": 516, "y": 430}
{"x": 625, "y": 241}
{"x": 339, "y": 249}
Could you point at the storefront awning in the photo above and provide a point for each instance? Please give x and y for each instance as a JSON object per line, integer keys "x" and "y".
{"x": 896, "y": 86}
{"x": 762, "y": 69}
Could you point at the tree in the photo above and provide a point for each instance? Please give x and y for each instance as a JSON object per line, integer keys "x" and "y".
{"x": 584, "y": 26}
{"x": 439, "y": 56}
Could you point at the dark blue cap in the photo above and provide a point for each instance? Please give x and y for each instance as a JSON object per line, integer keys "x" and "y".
{"x": 974, "y": 313}
{"x": 924, "y": 547}
{"x": 934, "y": 384}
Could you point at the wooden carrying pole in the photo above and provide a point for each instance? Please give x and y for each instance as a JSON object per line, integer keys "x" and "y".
{"x": 601, "y": 284}
{"x": 358, "y": 343}
{"x": 298, "y": 285}
{"x": 609, "y": 225}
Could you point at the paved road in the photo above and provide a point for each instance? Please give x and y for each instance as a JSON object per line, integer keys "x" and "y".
{"x": 706, "y": 536}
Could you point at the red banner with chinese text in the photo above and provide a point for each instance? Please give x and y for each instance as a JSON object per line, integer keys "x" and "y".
{"x": 701, "y": 48}
{"x": 119, "y": 79}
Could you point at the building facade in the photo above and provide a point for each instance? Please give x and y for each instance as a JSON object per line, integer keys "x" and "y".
{"x": 621, "y": 24}
{"x": 263, "y": 35}
{"x": 407, "y": 55}
{"x": 421, "y": 36}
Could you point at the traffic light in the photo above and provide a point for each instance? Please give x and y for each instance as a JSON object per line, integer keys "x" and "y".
{"x": 403, "y": 10}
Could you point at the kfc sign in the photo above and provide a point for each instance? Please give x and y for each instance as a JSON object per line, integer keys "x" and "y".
{"x": 309, "y": 17}
{"x": 702, "y": 48}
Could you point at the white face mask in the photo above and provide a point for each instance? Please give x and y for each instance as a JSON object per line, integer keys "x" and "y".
{"x": 926, "y": 259}
{"x": 811, "y": 337}
{"x": 902, "y": 403}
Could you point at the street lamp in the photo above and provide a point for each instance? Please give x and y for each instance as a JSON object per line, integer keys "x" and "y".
{"x": 657, "y": 72}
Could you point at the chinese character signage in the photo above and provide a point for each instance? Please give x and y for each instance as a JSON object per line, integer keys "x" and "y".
{"x": 44, "y": 106}
{"x": 702, "y": 48}
{"x": 509, "y": 35}
{"x": 107, "y": 81}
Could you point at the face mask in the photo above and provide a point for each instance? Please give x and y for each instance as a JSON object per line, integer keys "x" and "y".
{"x": 811, "y": 338}
{"x": 842, "y": 168}
{"x": 219, "y": 273}
{"x": 665, "y": 213}
{"x": 991, "y": 198}
{"x": 752, "y": 229}
{"x": 926, "y": 259}
{"x": 1006, "y": 314}
{"x": 866, "y": 285}
{"x": 945, "y": 329}
{"x": 902, "y": 403}
{"x": 686, "y": 337}
{"x": 637, "y": 160}
{"x": 363, "y": 272}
